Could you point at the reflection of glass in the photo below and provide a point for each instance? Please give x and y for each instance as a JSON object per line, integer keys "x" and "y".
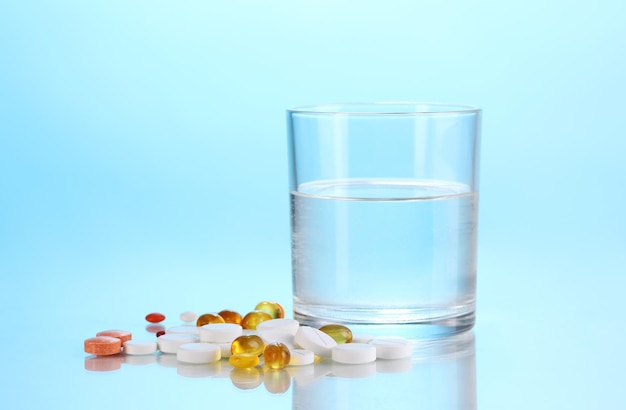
{"x": 441, "y": 376}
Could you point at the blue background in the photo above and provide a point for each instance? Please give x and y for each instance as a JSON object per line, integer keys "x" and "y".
{"x": 143, "y": 162}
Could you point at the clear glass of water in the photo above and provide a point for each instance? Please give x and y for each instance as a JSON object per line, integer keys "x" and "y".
{"x": 384, "y": 204}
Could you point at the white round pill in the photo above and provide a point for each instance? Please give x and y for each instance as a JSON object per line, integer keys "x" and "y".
{"x": 301, "y": 357}
{"x": 273, "y": 329}
{"x": 354, "y": 353}
{"x": 198, "y": 353}
{"x": 135, "y": 347}
{"x": 192, "y": 330}
{"x": 169, "y": 342}
{"x": 188, "y": 317}
{"x": 392, "y": 347}
{"x": 225, "y": 348}
{"x": 362, "y": 338}
{"x": 315, "y": 340}
{"x": 220, "y": 332}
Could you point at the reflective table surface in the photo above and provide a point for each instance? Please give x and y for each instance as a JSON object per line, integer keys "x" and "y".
{"x": 533, "y": 347}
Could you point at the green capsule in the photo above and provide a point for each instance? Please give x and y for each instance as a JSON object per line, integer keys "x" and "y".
{"x": 339, "y": 333}
{"x": 274, "y": 309}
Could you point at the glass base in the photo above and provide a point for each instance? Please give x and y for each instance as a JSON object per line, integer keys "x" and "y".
{"x": 414, "y": 324}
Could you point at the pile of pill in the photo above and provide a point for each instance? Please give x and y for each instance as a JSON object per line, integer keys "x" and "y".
{"x": 262, "y": 337}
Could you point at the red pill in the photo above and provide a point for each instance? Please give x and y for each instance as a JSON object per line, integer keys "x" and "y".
{"x": 123, "y": 335}
{"x": 160, "y": 333}
{"x": 103, "y": 345}
{"x": 155, "y": 317}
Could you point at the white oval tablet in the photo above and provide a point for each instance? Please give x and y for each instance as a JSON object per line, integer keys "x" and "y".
{"x": 198, "y": 353}
{"x": 189, "y": 317}
{"x": 192, "y": 330}
{"x": 392, "y": 347}
{"x": 139, "y": 347}
{"x": 354, "y": 353}
{"x": 273, "y": 329}
{"x": 315, "y": 340}
{"x": 301, "y": 357}
{"x": 169, "y": 342}
{"x": 220, "y": 332}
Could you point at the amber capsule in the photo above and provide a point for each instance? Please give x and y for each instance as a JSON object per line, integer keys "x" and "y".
{"x": 339, "y": 333}
{"x": 274, "y": 309}
{"x": 209, "y": 318}
{"x": 251, "y": 319}
{"x": 276, "y": 355}
{"x": 244, "y": 360}
{"x": 230, "y": 316}
{"x": 251, "y": 344}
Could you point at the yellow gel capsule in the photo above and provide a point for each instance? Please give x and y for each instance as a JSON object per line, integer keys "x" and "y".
{"x": 339, "y": 333}
{"x": 276, "y": 356}
{"x": 230, "y": 316}
{"x": 244, "y": 360}
{"x": 208, "y": 318}
{"x": 251, "y": 344}
{"x": 274, "y": 309}
{"x": 253, "y": 318}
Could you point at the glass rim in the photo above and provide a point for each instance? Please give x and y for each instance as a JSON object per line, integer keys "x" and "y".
{"x": 385, "y": 108}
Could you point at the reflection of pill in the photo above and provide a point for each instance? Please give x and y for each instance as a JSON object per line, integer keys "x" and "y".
{"x": 392, "y": 347}
{"x": 354, "y": 371}
{"x": 354, "y": 353}
{"x": 192, "y": 330}
{"x": 301, "y": 357}
{"x": 169, "y": 342}
{"x": 315, "y": 340}
{"x": 276, "y": 381}
{"x": 155, "y": 328}
{"x": 103, "y": 363}
{"x": 394, "y": 365}
{"x": 134, "y": 347}
{"x": 246, "y": 379}
{"x": 123, "y": 335}
{"x": 103, "y": 345}
{"x": 198, "y": 353}
{"x": 219, "y": 332}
